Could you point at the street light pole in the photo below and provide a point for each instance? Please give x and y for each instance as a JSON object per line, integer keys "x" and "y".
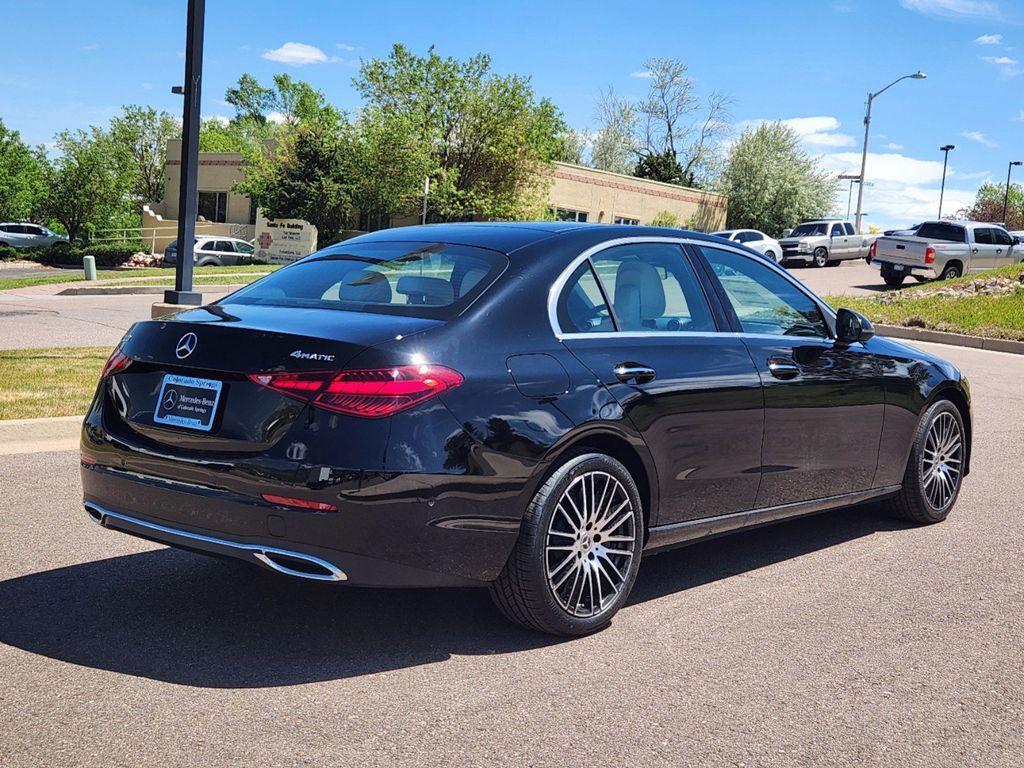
{"x": 849, "y": 196}
{"x": 867, "y": 128}
{"x": 1006, "y": 194}
{"x": 188, "y": 202}
{"x": 945, "y": 159}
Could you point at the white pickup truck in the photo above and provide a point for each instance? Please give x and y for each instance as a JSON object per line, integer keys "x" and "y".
{"x": 945, "y": 249}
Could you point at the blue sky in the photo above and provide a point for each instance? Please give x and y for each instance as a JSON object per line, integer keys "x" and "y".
{"x": 808, "y": 61}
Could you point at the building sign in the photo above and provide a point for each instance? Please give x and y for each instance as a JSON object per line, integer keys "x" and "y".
{"x": 283, "y": 240}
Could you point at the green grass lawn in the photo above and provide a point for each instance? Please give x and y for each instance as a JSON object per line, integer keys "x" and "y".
{"x": 160, "y": 276}
{"x": 48, "y": 382}
{"x": 999, "y": 316}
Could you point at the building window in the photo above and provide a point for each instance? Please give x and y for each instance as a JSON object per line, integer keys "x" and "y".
{"x": 627, "y": 220}
{"x": 213, "y": 206}
{"x": 567, "y": 214}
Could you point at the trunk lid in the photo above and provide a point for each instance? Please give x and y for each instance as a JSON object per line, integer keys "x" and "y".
{"x": 901, "y": 250}
{"x": 207, "y": 354}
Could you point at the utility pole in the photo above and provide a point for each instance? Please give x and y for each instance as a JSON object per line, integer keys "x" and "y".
{"x": 188, "y": 196}
{"x": 945, "y": 160}
{"x": 426, "y": 194}
{"x": 1006, "y": 194}
{"x": 867, "y": 127}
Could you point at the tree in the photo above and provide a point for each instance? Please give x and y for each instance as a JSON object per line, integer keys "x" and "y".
{"x": 614, "y": 148}
{"x": 679, "y": 132}
{"x": 389, "y": 164}
{"x": 139, "y": 138}
{"x": 665, "y": 219}
{"x": 988, "y": 205}
{"x": 84, "y": 185}
{"x": 490, "y": 141}
{"x": 288, "y": 101}
{"x": 250, "y": 99}
{"x": 771, "y": 183}
{"x": 22, "y": 181}
{"x": 309, "y": 176}
{"x": 573, "y": 146}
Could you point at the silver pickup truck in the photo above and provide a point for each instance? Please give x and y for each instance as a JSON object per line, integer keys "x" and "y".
{"x": 945, "y": 249}
{"x": 825, "y": 243}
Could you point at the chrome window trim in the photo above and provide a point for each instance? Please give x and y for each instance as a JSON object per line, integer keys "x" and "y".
{"x": 560, "y": 282}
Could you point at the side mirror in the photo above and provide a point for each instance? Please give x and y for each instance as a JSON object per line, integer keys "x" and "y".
{"x": 852, "y": 327}
{"x": 1016, "y": 239}
{"x": 787, "y": 232}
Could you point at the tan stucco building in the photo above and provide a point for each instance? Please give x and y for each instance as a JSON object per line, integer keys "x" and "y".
{"x": 577, "y": 193}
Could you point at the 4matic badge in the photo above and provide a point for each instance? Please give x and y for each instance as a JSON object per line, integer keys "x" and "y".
{"x": 300, "y": 355}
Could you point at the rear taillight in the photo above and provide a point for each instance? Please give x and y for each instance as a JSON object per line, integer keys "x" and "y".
{"x": 873, "y": 250}
{"x": 116, "y": 363}
{"x": 369, "y": 393}
{"x": 929, "y": 255}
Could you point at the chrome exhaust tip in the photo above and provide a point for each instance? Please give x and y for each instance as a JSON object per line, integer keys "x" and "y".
{"x": 94, "y": 514}
{"x": 298, "y": 565}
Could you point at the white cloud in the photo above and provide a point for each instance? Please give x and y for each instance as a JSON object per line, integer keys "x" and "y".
{"x": 644, "y": 74}
{"x": 989, "y": 39}
{"x": 1020, "y": 117}
{"x": 90, "y": 47}
{"x": 345, "y": 47}
{"x": 222, "y": 119}
{"x": 979, "y": 138}
{"x": 147, "y": 86}
{"x": 277, "y": 117}
{"x": 297, "y": 54}
{"x": 955, "y": 9}
{"x": 814, "y": 131}
{"x": 893, "y": 146}
{"x": 1003, "y": 61}
{"x": 901, "y": 190}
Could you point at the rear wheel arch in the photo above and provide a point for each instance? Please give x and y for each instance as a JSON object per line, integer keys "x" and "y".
{"x": 620, "y": 448}
{"x": 953, "y": 263}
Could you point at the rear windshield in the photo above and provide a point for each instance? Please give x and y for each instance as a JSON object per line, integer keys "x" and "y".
{"x": 806, "y": 230}
{"x": 429, "y": 280}
{"x": 937, "y": 230}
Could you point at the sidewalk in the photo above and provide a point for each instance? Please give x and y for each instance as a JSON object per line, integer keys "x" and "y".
{"x": 60, "y": 433}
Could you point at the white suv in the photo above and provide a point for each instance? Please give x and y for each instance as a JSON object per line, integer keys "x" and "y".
{"x": 25, "y": 235}
{"x": 214, "y": 251}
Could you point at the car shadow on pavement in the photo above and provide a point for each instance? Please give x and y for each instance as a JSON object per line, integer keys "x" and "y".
{"x": 191, "y": 620}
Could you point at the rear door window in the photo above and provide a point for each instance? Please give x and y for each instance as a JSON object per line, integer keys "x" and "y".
{"x": 582, "y": 307}
{"x": 429, "y": 280}
{"x": 849, "y": 228}
{"x": 938, "y": 230}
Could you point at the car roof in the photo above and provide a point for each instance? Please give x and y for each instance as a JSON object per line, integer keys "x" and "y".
{"x": 507, "y": 237}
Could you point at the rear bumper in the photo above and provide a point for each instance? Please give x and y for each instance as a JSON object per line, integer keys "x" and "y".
{"x": 386, "y": 538}
{"x": 906, "y": 269}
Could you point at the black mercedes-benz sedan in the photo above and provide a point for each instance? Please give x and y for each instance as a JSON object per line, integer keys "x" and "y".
{"x": 526, "y": 407}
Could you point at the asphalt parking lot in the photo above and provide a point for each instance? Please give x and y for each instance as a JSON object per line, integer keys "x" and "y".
{"x": 846, "y": 639}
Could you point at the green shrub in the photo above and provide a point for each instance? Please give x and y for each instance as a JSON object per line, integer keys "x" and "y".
{"x": 9, "y": 253}
{"x": 65, "y": 255}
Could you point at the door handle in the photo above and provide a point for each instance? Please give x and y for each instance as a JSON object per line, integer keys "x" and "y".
{"x": 783, "y": 368}
{"x": 974, "y": 250}
{"x": 634, "y": 373}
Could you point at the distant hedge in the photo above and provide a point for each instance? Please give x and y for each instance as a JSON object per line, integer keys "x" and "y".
{"x": 64, "y": 255}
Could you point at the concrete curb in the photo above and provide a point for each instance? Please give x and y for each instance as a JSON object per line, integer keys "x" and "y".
{"x": 953, "y": 339}
{"x": 56, "y": 433}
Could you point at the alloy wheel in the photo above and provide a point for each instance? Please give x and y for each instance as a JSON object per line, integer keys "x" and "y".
{"x": 820, "y": 257}
{"x": 942, "y": 461}
{"x": 590, "y": 544}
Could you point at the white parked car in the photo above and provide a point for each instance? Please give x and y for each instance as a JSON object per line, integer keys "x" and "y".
{"x": 24, "y": 235}
{"x": 755, "y": 240}
{"x": 214, "y": 251}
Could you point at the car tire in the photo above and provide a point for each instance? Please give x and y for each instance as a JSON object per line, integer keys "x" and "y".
{"x": 893, "y": 279}
{"x": 951, "y": 272}
{"x": 576, "y": 589}
{"x": 820, "y": 258}
{"x": 774, "y": 257}
{"x": 934, "y": 474}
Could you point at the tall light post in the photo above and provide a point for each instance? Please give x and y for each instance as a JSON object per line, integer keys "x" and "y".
{"x": 1006, "y": 195}
{"x": 852, "y": 177}
{"x": 867, "y": 127}
{"x": 187, "y": 193}
{"x": 942, "y": 189}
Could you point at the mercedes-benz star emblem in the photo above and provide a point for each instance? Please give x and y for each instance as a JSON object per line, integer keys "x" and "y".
{"x": 186, "y": 345}
{"x": 170, "y": 399}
